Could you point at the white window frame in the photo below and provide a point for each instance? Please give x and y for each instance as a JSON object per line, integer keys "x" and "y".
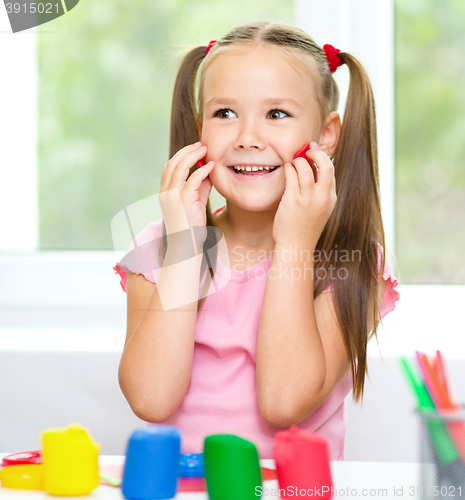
{"x": 33, "y": 279}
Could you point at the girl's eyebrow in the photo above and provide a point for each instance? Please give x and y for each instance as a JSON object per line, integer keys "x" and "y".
{"x": 223, "y": 101}
{"x": 220, "y": 101}
{"x": 283, "y": 102}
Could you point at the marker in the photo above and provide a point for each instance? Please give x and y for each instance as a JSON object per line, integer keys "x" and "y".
{"x": 443, "y": 379}
{"x": 450, "y": 468}
{"x": 441, "y": 441}
{"x": 432, "y": 383}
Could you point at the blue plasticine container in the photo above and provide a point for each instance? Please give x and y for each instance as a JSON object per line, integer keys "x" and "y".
{"x": 152, "y": 463}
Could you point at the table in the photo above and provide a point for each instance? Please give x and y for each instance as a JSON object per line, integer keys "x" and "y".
{"x": 354, "y": 480}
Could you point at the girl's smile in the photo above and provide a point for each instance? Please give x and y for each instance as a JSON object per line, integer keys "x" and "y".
{"x": 254, "y": 172}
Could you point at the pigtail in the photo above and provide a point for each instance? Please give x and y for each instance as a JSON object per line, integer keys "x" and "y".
{"x": 358, "y": 208}
{"x": 184, "y": 131}
{"x": 183, "y": 124}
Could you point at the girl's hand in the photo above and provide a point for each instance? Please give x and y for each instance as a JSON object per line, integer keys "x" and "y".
{"x": 194, "y": 191}
{"x": 306, "y": 204}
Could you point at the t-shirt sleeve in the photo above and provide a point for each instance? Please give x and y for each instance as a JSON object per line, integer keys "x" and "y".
{"x": 144, "y": 255}
{"x": 391, "y": 294}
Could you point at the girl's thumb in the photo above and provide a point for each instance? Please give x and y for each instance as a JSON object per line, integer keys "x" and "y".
{"x": 200, "y": 174}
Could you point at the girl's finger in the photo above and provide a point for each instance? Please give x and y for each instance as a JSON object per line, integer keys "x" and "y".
{"x": 198, "y": 186}
{"x": 196, "y": 179}
{"x": 292, "y": 179}
{"x": 185, "y": 151}
{"x": 206, "y": 185}
{"x": 192, "y": 151}
{"x": 325, "y": 167}
{"x": 306, "y": 177}
{"x": 181, "y": 169}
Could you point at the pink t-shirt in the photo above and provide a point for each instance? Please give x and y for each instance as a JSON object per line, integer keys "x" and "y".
{"x": 222, "y": 394}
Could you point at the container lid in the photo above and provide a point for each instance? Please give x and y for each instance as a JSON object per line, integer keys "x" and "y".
{"x": 22, "y": 457}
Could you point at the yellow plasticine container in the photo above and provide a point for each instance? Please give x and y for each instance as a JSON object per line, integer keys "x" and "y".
{"x": 70, "y": 459}
{"x": 23, "y": 477}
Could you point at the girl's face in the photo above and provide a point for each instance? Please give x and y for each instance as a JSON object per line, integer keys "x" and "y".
{"x": 259, "y": 110}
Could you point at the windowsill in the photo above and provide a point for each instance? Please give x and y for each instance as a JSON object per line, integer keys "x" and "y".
{"x": 426, "y": 318}
{"x": 70, "y": 330}
{"x": 55, "y": 280}
{"x": 61, "y": 301}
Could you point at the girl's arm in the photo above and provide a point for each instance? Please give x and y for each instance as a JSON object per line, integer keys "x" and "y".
{"x": 301, "y": 355}
{"x": 156, "y": 363}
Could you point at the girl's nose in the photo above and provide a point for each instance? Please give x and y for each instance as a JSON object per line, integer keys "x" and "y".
{"x": 249, "y": 137}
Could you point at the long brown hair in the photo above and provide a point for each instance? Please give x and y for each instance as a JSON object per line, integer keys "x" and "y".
{"x": 355, "y": 226}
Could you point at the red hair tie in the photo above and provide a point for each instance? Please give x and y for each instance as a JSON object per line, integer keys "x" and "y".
{"x": 333, "y": 59}
{"x": 210, "y": 45}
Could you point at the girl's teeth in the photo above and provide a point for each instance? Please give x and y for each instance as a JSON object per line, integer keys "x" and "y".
{"x": 251, "y": 168}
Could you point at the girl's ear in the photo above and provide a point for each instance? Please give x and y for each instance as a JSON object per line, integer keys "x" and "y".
{"x": 331, "y": 132}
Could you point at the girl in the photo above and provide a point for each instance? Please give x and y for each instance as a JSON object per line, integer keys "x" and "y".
{"x": 283, "y": 339}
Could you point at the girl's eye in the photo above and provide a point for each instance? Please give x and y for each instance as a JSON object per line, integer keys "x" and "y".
{"x": 223, "y": 113}
{"x": 274, "y": 113}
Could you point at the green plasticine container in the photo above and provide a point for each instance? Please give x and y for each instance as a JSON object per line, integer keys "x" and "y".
{"x": 232, "y": 468}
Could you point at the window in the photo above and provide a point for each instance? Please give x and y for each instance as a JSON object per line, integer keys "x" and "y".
{"x": 430, "y": 147}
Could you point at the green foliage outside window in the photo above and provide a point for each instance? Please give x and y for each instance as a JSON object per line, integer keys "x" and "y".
{"x": 430, "y": 140}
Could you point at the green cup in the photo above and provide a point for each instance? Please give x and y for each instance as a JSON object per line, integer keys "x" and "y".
{"x": 232, "y": 469}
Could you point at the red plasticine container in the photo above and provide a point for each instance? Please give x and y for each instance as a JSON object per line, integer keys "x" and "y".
{"x": 302, "y": 464}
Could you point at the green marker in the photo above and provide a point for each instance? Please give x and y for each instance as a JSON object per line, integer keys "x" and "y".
{"x": 232, "y": 469}
{"x": 440, "y": 438}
